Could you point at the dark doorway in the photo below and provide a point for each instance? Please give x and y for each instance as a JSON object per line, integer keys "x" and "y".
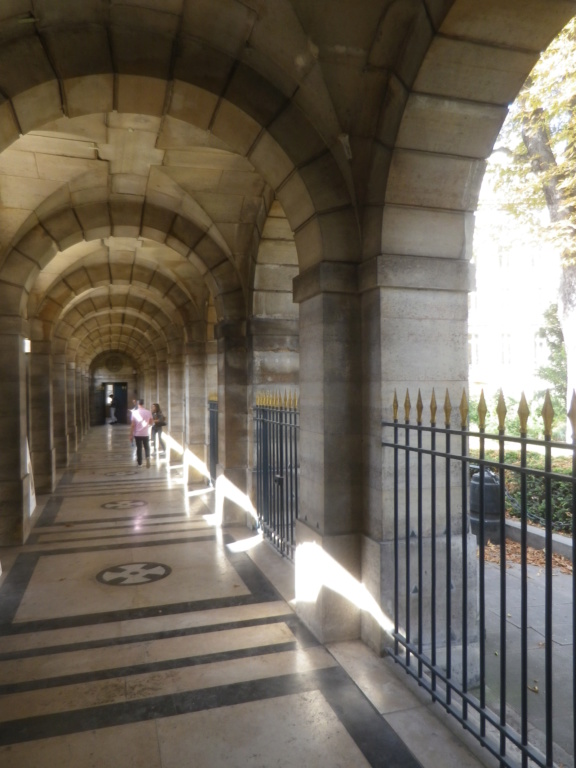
{"x": 119, "y": 389}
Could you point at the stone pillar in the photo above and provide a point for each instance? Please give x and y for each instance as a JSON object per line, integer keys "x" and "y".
{"x": 414, "y": 323}
{"x": 196, "y": 427}
{"x": 273, "y": 365}
{"x": 71, "y": 407}
{"x": 175, "y": 403}
{"x": 60, "y": 415}
{"x": 163, "y": 391}
{"x": 80, "y": 421}
{"x": 15, "y": 481}
{"x": 232, "y": 412}
{"x": 87, "y": 386}
{"x": 330, "y": 516}
{"x": 41, "y": 417}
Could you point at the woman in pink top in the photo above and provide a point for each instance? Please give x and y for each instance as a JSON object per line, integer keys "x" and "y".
{"x": 140, "y": 431}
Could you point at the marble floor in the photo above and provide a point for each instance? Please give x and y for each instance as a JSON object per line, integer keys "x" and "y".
{"x": 134, "y": 633}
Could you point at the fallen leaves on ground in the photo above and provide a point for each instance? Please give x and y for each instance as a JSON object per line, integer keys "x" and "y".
{"x": 535, "y": 557}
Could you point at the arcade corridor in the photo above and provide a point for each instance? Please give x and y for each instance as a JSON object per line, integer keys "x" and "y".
{"x": 135, "y": 633}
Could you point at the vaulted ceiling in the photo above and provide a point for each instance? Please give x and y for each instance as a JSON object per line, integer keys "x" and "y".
{"x": 143, "y": 144}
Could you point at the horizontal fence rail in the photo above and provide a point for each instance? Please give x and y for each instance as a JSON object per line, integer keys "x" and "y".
{"x": 490, "y": 641}
{"x": 276, "y": 431}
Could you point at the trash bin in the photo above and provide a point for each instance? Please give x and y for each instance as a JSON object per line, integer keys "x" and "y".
{"x": 492, "y": 511}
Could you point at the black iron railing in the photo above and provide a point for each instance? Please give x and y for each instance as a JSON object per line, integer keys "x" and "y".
{"x": 276, "y": 433}
{"x": 479, "y": 626}
{"x": 213, "y": 438}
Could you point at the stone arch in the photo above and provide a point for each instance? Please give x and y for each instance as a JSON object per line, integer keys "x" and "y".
{"x": 439, "y": 123}
{"x": 35, "y": 250}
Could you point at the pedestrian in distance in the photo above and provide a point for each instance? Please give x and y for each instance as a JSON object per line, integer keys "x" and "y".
{"x": 140, "y": 424}
{"x": 159, "y": 422}
{"x": 113, "y": 406}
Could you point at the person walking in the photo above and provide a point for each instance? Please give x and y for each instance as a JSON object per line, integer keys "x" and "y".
{"x": 159, "y": 422}
{"x": 140, "y": 431}
{"x": 113, "y": 406}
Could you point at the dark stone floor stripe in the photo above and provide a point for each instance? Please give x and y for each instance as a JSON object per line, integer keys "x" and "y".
{"x": 103, "y": 535}
{"x": 142, "y": 669}
{"x": 112, "y": 642}
{"x": 379, "y": 743}
{"x": 128, "y": 519}
{"x": 15, "y": 585}
{"x": 373, "y": 736}
{"x": 50, "y": 511}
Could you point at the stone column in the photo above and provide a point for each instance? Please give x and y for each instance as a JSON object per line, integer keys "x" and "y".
{"x": 330, "y": 516}
{"x": 15, "y": 480}
{"x": 273, "y": 365}
{"x": 71, "y": 407}
{"x": 196, "y": 400}
{"x": 87, "y": 385}
{"x": 162, "y": 385}
{"x": 414, "y": 319}
{"x": 232, "y": 412}
{"x": 41, "y": 417}
{"x": 80, "y": 420}
{"x": 175, "y": 403}
{"x": 60, "y": 415}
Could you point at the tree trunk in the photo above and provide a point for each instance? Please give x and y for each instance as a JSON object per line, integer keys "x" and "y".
{"x": 543, "y": 162}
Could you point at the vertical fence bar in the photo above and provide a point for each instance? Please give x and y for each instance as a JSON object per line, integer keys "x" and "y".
{"x": 572, "y": 417}
{"x": 464, "y": 523}
{"x": 548, "y": 416}
{"x": 501, "y": 410}
{"x": 523, "y": 413}
{"x": 482, "y": 410}
{"x": 433, "y": 537}
{"x": 420, "y": 535}
{"x": 407, "y": 523}
{"x": 396, "y": 530}
{"x": 447, "y": 412}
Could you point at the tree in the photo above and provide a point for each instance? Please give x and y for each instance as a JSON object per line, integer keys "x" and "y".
{"x": 538, "y": 142}
{"x": 554, "y": 373}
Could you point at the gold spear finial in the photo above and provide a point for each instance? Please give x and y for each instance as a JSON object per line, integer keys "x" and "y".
{"x": 447, "y": 408}
{"x": 419, "y": 408}
{"x": 501, "y": 411}
{"x": 407, "y": 406}
{"x": 482, "y": 411}
{"x": 464, "y": 410}
{"x": 395, "y": 407}
{"x": 523, "y": 413}
{"x": 548, "y": 414}
{"x": 433, "y": 408}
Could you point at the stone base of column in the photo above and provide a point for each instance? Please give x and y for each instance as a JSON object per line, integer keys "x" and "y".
{"x": 72, "y": 440}
{"x": 197, "y": 468}
{"x": 463, "y": 614}
{"x": 44, "y": 463}
{"x": 233, "y": 504}
{"x": 329, "y": 594}
{"x": 15, "y": 511}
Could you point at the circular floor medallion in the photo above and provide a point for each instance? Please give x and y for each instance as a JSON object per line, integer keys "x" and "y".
{"x": 132, "y": 504}
{"x": 132, "y": 574}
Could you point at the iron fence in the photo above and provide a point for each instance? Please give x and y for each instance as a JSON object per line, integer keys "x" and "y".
{"x": 486, "y": 632}
{"x": 276, "y": 431}
{"x": 213, "y": 438}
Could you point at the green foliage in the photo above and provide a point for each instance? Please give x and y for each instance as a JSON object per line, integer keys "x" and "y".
{"x": 534, "y": 166}
{"x": 561, "y": 506}
{"x": 555, "y": 373}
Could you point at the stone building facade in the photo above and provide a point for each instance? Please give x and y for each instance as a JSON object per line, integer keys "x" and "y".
{"x": 246, "y": 195}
